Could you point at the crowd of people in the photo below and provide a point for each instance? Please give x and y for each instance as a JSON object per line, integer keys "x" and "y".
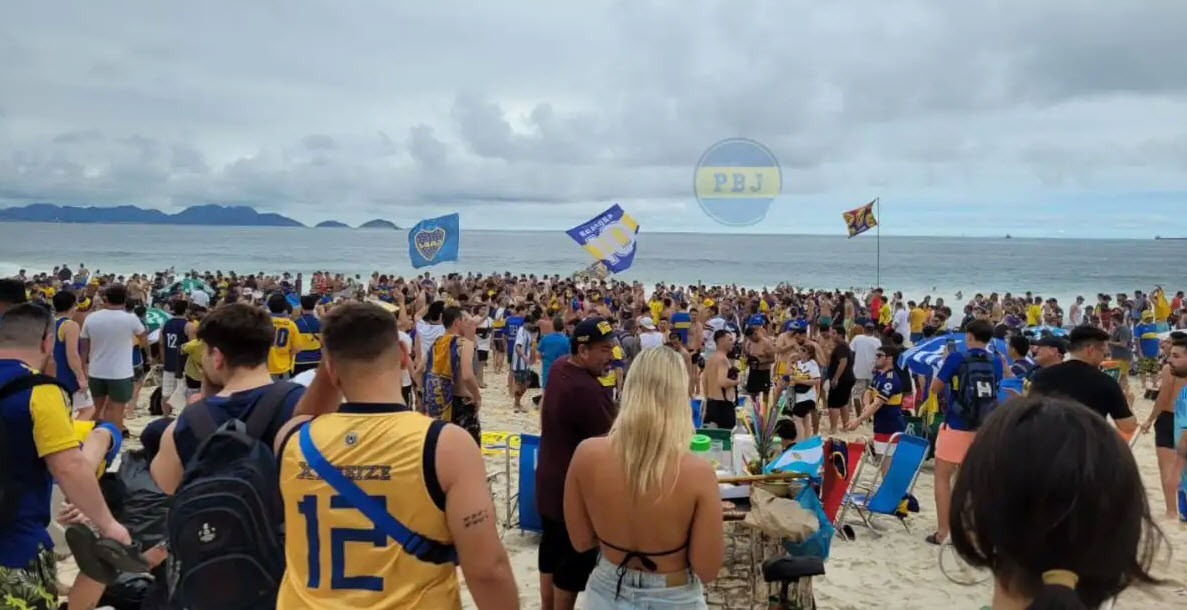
{"x": 288, "y": 408}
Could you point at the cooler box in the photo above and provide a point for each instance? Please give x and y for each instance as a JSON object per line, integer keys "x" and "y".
{"x": 529, "y": 517}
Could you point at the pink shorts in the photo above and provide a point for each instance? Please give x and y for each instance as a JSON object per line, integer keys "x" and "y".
{"x": 951, "y": 445}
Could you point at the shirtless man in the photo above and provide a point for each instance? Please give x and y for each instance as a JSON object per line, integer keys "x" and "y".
{"x": 721, "y": 383}
{"x": 760, "y": 355}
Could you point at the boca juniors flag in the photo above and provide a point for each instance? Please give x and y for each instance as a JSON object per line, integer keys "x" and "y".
{"x": 434, "y": 240}
{"x": 609, "y": 237}
{"x": 859, "y": 220}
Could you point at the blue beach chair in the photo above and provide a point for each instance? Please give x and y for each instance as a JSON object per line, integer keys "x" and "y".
{"x": 885, "y": 494}
{"x": 523, "y": 500}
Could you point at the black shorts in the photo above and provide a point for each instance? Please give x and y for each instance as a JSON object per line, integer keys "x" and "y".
{"x": 569, "y": 569}
{"x": 803, "y": 408}
{"x": 193, "y": 384}
{"x": 839, "y": 396}
{"x": 759, "y": 381}
{"x": 483, "y": 355}
{"x": 466, "y": 416}
{"x": 721, "y": 413}
{"x": 301, "y": 367}
{"x": 1164, "y": 430}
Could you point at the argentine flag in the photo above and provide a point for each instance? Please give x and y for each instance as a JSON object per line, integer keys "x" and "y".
{"x": 805, "y": 456}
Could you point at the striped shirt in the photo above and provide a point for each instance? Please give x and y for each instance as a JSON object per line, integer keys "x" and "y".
{"x": 523, "y": 342}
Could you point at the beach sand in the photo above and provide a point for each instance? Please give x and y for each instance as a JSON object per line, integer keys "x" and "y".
{"x": 896, "y": 570}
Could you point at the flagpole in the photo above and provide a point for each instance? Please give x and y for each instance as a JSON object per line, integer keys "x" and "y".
{"x": 878, "y": 281}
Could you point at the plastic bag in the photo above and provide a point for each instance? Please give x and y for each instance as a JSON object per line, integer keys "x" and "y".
{"x": 145, "y": 506}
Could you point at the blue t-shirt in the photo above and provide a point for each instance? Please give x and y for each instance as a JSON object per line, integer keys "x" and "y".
{"x": 511, "y": 329}
{"x": 1146, "y": 334}
{"x": 223, "y": 408}
{"x": 1181, "y": 429}
{"x": 551, "y": 347}
{"x": 950, "y": 370}
{"x": 889, "y": 419}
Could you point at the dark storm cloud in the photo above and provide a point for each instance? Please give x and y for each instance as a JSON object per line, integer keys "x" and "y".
{"x": 527, "y": 113}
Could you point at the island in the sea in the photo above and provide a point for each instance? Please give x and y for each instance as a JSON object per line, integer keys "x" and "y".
{"x": 210, "y": 214}
{"x": 331, "y": 224}
{"x": 379, "y": 223}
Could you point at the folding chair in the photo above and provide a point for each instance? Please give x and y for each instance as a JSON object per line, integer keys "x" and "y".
{"x": 884, "y": 495}
{"x": 834, "y": 487}
{"x": 524, "y": 500}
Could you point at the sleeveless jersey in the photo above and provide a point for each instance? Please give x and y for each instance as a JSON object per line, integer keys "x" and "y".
{"x": 309, "y": 329}
{"x": 336, "y": 558}
{"x": 62, "y": 370}
{"x": 280, "y": 359}
{"x": 174, "y": 332}
{"x": 681, "y": 322}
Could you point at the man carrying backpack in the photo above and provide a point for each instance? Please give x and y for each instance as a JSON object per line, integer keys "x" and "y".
{"x": 216, "y": 460}
{"x": 405, "y": 492}
{"x": 38, "y": 446}
{"x": 449, "y": 384}
{"x": 971, "y": 379}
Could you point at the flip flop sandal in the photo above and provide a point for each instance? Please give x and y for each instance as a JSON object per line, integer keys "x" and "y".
{"x": 124, "y": 557}
{"x": 934, "y": 538}
{"x": 83, "y": 544}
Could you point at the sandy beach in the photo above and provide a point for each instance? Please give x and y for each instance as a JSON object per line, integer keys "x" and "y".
{"x": 896, "y": 570}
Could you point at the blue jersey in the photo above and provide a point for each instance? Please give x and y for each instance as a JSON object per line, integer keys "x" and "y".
{"x": 62, "y": 370}
{"x": 1146, "y": 335}
{"x": 888, "y": 419}
{"x": 510, "y": 330}
{"x": 309, "y": 331}
{"x": 681, "y": 322}
{"x": 174, "y": 333}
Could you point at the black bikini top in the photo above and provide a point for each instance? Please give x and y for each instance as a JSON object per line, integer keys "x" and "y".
{"x": 644, "y": 559}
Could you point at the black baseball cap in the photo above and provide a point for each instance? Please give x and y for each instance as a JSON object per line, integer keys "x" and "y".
{"x": 590, "y": 331}
{"x": 1052, "y": 341}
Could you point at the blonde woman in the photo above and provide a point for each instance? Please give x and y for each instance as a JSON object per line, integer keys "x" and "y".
{"x": 644, "y": 500}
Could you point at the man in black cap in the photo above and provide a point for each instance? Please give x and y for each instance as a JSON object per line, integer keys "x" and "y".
{"x": 1081, "y": 379}
{"x": 1049, "y": 352}
{"x": 573, "y": 409}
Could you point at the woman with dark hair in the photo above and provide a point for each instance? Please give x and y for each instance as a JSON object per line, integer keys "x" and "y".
{"x": 1049, "y": 498}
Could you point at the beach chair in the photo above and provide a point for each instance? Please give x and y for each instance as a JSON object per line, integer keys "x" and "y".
{"x": 885, "y": 494}
{"x": 835, "y": 483}
{"x": 523, "y": 501}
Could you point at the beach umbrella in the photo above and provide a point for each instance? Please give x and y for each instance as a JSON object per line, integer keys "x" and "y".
{"x": 293, "y": 299}
{"x": 1034, "y": 332}
{"x": 188, "y": 285}
{"x": 155, "y": 318}
{"x": 926, "y": 357}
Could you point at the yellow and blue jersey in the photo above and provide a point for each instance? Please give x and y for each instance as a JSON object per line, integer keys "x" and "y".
{"x": 681, "y": 322}
{"x": 309, "y": 330}
{"x": 335, "y": 557}
{"x": 280, "y": 356}
{"x": 1146, "y": 334}
{"x": 617, "y": 361}
{"x": 38, "y": 424}
{"x": 888, "y": 419}
{"x": 62, "y": 370}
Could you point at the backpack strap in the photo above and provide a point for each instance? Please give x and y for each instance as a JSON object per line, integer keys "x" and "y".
{"x": 425, "y": 549}
{"x": 454, "y": 358}
{"x": 264, "y": 411}
{"x": 28, "y": 382}
{"x": 200, "y": 420}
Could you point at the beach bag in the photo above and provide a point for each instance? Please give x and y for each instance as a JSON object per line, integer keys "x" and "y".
{"x": 976, "y": 390}
{"x": 226, "y": 522}
{"x": 438, "y": 378}
{"x": 9, "y": 494}
{"x": 818, "y": 543}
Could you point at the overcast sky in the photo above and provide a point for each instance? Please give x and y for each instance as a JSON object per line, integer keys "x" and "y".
{"x": 1051, "y": 118}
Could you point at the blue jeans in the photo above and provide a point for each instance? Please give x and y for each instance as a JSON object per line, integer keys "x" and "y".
{"x": 644, "y": 590}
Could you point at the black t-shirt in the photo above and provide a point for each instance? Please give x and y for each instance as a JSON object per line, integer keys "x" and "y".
{"x": 1085, "y": 384}
{"x": 834, "y": 362}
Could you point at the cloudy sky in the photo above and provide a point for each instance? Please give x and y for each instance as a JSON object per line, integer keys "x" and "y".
{"x": 1053, "y": 118}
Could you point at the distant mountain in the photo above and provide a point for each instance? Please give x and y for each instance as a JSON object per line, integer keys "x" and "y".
{"x": 331, "y": 224}
{"x": 379, "y": 223}
{"x": 216, "y": 215}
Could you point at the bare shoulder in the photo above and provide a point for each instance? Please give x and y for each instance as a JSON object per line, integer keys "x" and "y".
{"x": 591, "y": 449}
{"x": 697, "y": 468}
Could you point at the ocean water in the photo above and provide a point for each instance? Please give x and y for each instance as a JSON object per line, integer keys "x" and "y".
{"x": 917, "y": 266}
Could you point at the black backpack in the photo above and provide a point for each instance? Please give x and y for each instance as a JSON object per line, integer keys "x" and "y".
{"x": 9, "y": 495}
{"x": 226, "y": 522}
{"x": 976, "y": 389}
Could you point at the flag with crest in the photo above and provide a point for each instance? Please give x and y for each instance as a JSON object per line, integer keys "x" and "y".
{"x": 859, "y": 220}
{"x": 434, "y": 240}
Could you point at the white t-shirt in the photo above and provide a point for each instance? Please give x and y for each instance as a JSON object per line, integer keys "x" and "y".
{"x": 902, "y": 323}
{"x": 482, "y": 344}
{"x": 199, "y": 297}
{"x": 812, "y": 370}
{"x": 111, "y": 332}
{"x": 652, "y": 338}
{"x": 428, "y": 333}
{"x": 406, "y": 341}
{"x": 865, "y": 348}
{"x": 523, "y": 339}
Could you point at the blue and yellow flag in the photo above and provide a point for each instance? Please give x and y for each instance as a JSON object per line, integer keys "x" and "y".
{"x": 609, "y": 237}
{"x": 860, "y": 220}
{"x": 434, "y": 240}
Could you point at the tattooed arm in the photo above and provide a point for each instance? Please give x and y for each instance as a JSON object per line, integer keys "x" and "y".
{"x": 470, "y": 515}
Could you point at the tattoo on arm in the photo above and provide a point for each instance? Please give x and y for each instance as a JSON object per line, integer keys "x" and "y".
{"x": 477, "y": 518}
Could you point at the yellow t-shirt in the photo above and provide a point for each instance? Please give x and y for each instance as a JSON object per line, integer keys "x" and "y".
{"x": 1033, "y": 313}
{"x": 657, "y": 307}
{"x": 280, "y": 356}
{"x": 195, "y": 350}
{"x": 917, "y": 319}
{"x": 884, "y": 314}
{"x": 52, "y": 429}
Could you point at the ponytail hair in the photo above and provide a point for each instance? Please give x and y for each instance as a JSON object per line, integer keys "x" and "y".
{"x": 1049, "y": 498}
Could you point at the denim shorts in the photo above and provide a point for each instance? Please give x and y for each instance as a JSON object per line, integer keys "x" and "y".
{"x": 644, "y": 590}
